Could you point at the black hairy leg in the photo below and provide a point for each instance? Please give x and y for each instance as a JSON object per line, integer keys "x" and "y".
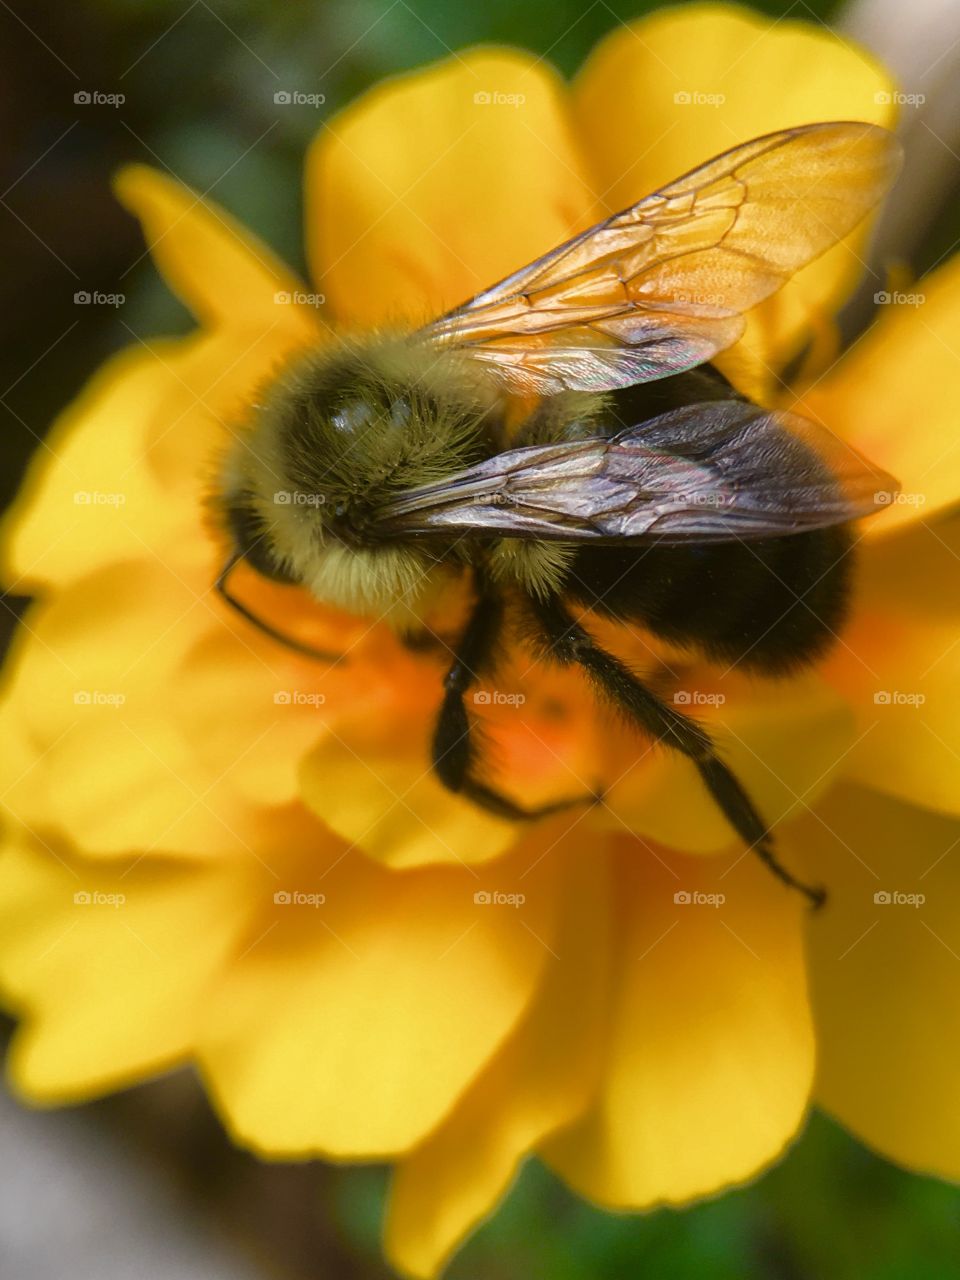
{"x": 567, "y": 642}
{"x": 455, "y": 743}
{"x": 288, "y": 642}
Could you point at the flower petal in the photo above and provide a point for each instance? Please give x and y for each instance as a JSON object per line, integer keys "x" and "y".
{"x": 894, "y": 397}
{"x": 253, "y": 712}
{"x": 89, "y": 498}
{"x": 393, "y": 807}
{"x": 899, "y": 666}
{"x": 370, "y": 779}
{"x": 223, "y": 273}
{"x": 437, "y": 184}
{"x": 784, "y": 740}
{"x": 128, "y": 466}
{"x": 885, "y": 974}
{"x": 395, "y": 991}
{"x": 540, "y": 1081}
{"x": 711, "y": 1054}
{"x": 670, "y": 91}
{"x": 111, "y": 963}
{"x": 110, "y": 771}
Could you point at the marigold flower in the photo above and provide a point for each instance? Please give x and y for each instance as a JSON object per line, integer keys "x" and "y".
{"x": 222, "y": 853}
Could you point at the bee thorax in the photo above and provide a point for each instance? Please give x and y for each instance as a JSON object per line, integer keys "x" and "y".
{"x": 395, "y": 585}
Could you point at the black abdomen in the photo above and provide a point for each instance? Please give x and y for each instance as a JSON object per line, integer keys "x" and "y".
{"x": 771, "y": 605}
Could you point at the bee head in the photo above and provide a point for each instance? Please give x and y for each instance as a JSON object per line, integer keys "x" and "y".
{"x": 338, "y": 434}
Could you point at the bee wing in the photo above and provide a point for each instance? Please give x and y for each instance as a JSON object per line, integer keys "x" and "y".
{"x": 716, "y": 472}
{"x": 662, "y": 286}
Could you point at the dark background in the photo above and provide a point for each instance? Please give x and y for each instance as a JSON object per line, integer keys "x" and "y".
{"x": 199, "y": 81}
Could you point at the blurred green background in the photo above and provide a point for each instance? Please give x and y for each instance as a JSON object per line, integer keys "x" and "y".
{"x": 199, "y": 80}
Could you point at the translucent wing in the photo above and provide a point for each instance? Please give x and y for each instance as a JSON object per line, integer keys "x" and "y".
{"x": 715, "y": 472}
{"x": 662, "y": 286}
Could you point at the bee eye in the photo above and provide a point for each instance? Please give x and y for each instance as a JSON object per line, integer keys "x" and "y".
{"x": 352, "y": 416}
{"x": 400, "y": 412}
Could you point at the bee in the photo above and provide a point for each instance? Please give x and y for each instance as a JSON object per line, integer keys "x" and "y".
{"x": 564, "y": 440}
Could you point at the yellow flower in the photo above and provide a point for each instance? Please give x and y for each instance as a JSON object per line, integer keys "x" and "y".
{"x": 222, "y": 853}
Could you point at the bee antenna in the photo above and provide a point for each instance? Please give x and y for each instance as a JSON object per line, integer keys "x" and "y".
{"x": 289, "y": 642}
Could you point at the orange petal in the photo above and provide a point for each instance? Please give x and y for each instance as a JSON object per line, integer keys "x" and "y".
{"x": 710, "y": 1059}
{"x": 254, "y": 710}
{"x": 439, "y": 183}
{"x": 371, "y": 780}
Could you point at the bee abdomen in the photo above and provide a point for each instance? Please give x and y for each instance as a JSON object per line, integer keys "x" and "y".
{"x": 771, "y": 606}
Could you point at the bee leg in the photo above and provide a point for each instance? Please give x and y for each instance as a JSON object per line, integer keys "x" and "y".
{"x": 220, "y": 586}
{"x": 424, "y": 641}
{"x": 455, "y": 747}
{"x": 568, "y": 643}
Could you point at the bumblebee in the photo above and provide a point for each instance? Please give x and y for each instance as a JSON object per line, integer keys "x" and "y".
{"x": 563, "y": 438}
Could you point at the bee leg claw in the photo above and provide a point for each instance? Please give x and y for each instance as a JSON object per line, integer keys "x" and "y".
{"x": 816, "y": 895}
{"x": 455, "y": 740}
{"x": 501, "y": 805}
